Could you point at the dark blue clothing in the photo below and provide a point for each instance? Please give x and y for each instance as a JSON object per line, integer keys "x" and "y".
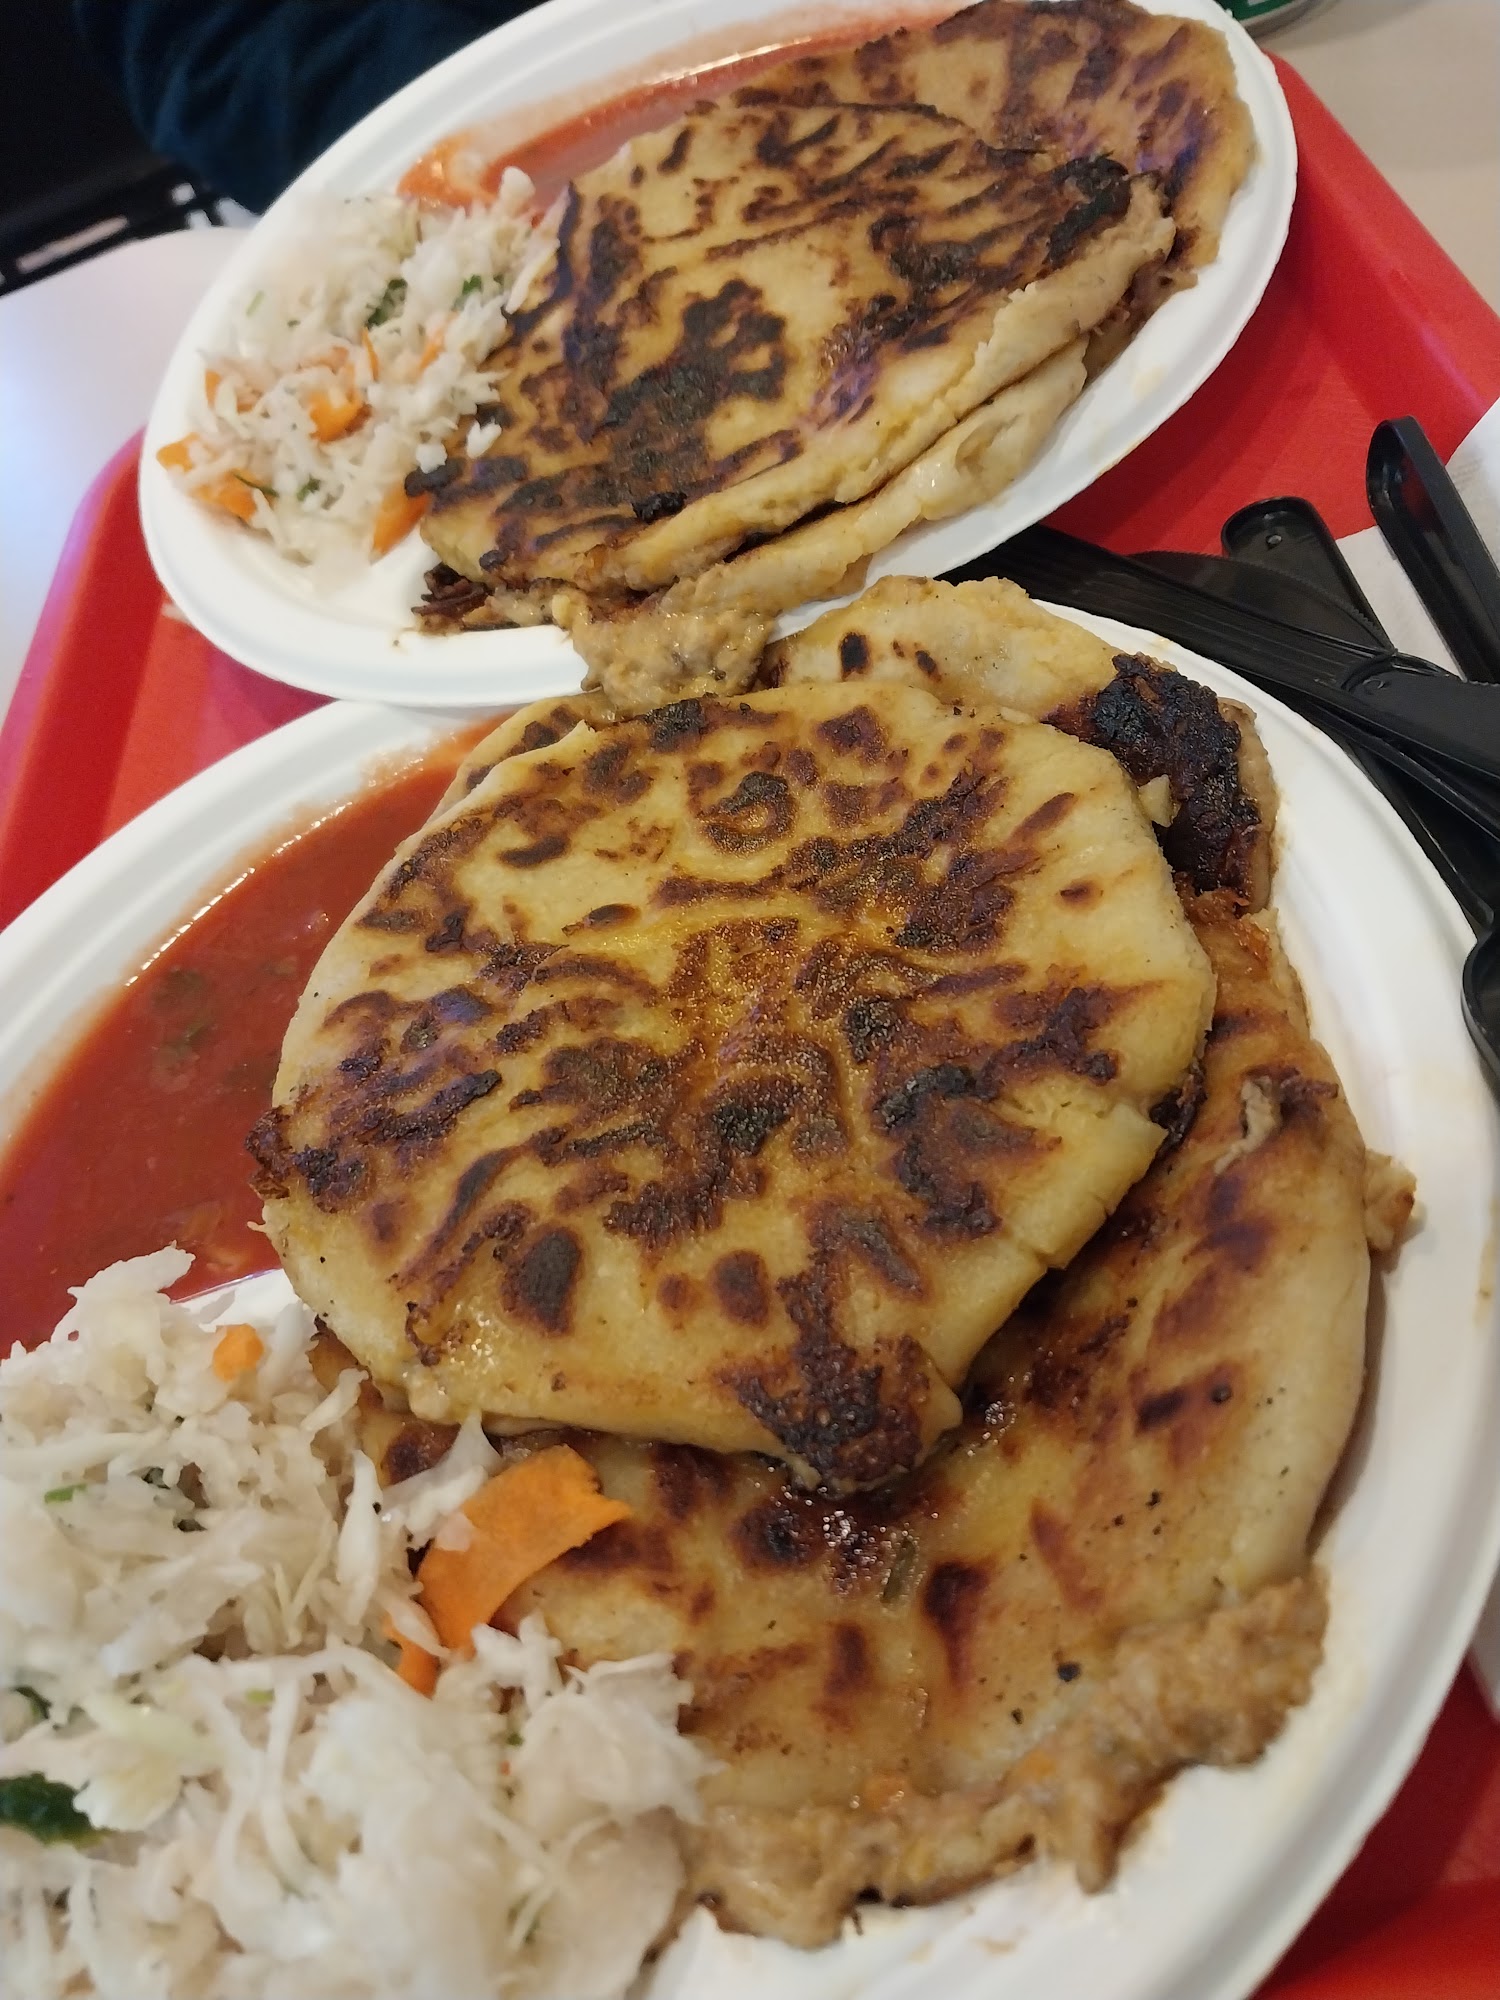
{"x": 246, "y": 92}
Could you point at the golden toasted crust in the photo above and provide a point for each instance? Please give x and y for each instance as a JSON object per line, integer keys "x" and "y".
{"x": 724, "y": 407}
{"x": 1209, "y": 1690}
{"x": 985, "y": 644}
{"x": 765, "y": 309}
{"x": 1078, "y": 77}
{"x": 708, "y": 632}
{"x": 1101, "y": 1576}
{"x": 981, "y": 642}
{"x": 726, "y": 1077}
{"x": 537, "y": 726}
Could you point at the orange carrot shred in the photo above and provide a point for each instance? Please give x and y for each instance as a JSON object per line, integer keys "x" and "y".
{"x": 211, "y": 380}
{"x": 334, "y": 413}
{"x": 177, "y": 456}
{"x": 239, "y": 1348}
{"x": 528, "y": 1515}
{"x": 370, "y": 355}
{"x": 416, "y": 1666}
{"x": 398, "y": 514}
{"x": 433, "y": 346}
{"x": 234, "y": 496}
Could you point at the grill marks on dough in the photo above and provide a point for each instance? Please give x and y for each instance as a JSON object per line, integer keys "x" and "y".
{"x": 694, "y": 337}
{"x": 769, "y": 1093}
{"x": 1084, "y": 77}
{"x": 1146, "y": 1439}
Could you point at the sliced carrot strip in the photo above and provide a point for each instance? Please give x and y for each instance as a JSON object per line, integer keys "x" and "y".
{"x": 211, "y": 380}
{"x": 433, "y": 346}
{"x": 370, "y": 355}
{"x": 527, "y": 1516}
{"x": 238, "y": 1350}
{"x": 235, "y": 496}
{"x": 177, "y": 456}
{"x": 416, "y": 1666}
{"x": 334, "y": 413}
{"x": 398, "y": 514}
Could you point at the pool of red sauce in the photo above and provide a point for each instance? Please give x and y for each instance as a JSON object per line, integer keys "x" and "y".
{"x": 138, "y": 1138}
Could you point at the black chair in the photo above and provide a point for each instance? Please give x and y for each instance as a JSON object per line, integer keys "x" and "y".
{"x": 75, "y": 175}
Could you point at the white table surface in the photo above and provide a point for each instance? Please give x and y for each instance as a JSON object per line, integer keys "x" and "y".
{"x": 80, "y": 357}
{"x": 1417, "y": 82}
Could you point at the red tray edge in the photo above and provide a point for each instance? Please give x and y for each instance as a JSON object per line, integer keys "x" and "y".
{"x": 65, "y": 729}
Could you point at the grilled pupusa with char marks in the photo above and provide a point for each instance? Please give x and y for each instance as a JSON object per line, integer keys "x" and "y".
{"x": 1197, "y": 757}
{"x": 1075, "y": 77}
{"x": 1102, "y": 1577}
{"x": 727, "y": 1076}
{"x": 766, "y": 309}
{"x": 1105, "y": 1574}
{"x": 780, "y": 385}
{"x": 779, "y": 334}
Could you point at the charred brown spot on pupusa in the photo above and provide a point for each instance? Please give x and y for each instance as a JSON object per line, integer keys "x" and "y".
{"x": 539, "y": 1284}
{"x": 759, "y": 810}
{"x": 620, "y": 1548}
{"x": 677, "y": 1292}
{"x": 849, "y": 805}
{"x": 742, "y": 1287}
{"x": 1055, "y": 1542}
{"x": 415, "y": 1448}
{"x": 857, "y": 733}
{"x": 854, "y": 655}
{"x": 1162, "y": 724}
{"x": 1044, "y": 818}
{"x": 677, "y": 726}
{"x": 951, "y": 1601}
{"x": 849, "y": 1419}
{"x": 781, "y": 1532}
{"x": 1188, "y": 1416}
{"x": 687, "y": 1480}
{"x": 843, "y": 1234}
{"x": 1234, "y": 1227}
{"x": 385, "y": 1219}
{"x": 1063, "y": 1025}
{"x": 849, "y": 1664}
{"x": 609, "y": 774}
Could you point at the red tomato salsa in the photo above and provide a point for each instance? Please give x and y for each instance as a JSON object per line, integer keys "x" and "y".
{"x": 139, "y": 1138}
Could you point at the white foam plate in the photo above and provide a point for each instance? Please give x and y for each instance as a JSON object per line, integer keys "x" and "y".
{"x": 1229, "y": 1866}
{"x": 361, "y": 640}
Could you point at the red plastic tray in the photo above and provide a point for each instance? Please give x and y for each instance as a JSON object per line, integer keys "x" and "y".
{"x": 1365, "y": 318}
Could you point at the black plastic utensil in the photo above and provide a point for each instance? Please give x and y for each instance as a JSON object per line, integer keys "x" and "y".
{"x": 1467, "y": 859}
{"x": 1417, "y": 702}
{"x": 1290, "y": 539}
{"x": 1048, "y": 563}
{"x": 1469, "y": 864}
{"x": 1481, "y": 991}
{"x": 1257, "y": 586}
{"x": 1460, "y": 727}
{"x": 1432, "y": 535}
